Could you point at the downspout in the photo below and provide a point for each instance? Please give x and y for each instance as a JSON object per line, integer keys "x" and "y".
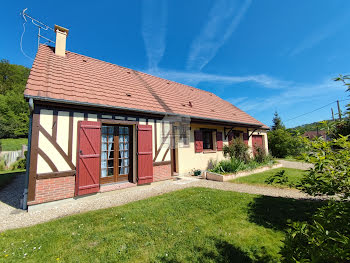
{"x": 25, "y": 192}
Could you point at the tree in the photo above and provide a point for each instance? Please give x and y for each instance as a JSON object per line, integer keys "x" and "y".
{"x": 277, "y": 122}
{"x": 14, "y": 113}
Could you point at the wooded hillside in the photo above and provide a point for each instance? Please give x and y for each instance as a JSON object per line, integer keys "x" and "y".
{"x": 14, "y": 111}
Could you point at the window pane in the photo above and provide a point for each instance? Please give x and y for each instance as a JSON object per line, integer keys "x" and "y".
{"x": 110, "y": 163}
{"x": 126, "y": 170}
{"x": 126, "y": 129}
{"x": 126, "y": 162}
{"x": 110, "y": 138}
{"x": 120, "y": 138}
{"x": 126, "y": 138}
{"x": 110, "y": 171}
{"x": 104, "y": 138}
{"x": 121, "y": 170}
{"x": 121, "y": 146}
{"x": 104, "y": 146}
{"x": 126, "y": 154}
{"x": 104, "y": 173}
{"x": 111, "y": 130}
{"x": 104, "y": 129}
{"x": 126, "y": 146}
{"x": 122, "y": 154}
{"x": 104, "y": 155}
{"x": 103, "y": 164}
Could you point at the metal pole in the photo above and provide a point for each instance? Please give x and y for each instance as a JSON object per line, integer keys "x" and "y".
{"x": 339, "y": 112}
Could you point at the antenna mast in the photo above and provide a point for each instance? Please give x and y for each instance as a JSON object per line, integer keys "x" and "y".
{"x": 38, "y": 24}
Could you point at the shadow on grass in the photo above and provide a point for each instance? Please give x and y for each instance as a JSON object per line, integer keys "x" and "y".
{"x": 222, "y": 252}
{"x": 276, "y": 213}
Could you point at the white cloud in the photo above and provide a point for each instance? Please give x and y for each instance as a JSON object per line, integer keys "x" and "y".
{"x": 223, "y": 20}
{"x": 193, "y": 78}
{"x": 154, "y": 20}
{"x": 299, "y": 93}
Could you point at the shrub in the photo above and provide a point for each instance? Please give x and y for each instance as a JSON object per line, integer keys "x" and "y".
{"x": 20, "y": 164}
{"x": 237, "y": 149}
{"x": 282, "y": 143}
{"x": 278, "y": 178}
{"x": 2, "y": 165}
{"x": 324, "y": 239}
{"x": 260, "y": 154}
{"x": 229, "y": 166}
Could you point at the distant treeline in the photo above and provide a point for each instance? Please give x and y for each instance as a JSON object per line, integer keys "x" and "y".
{"x": 14, "y": 111}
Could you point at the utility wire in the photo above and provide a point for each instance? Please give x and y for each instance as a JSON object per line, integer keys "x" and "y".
{"x": 314, "y": 110}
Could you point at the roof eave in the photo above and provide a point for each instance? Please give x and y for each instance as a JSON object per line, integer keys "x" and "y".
{"x": 39, "y": 98}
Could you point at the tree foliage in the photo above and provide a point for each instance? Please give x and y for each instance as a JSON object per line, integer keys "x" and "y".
{"x": 277, "y": 122}
{"x": 13, "y": 107}
{"x": 326, "y": 238}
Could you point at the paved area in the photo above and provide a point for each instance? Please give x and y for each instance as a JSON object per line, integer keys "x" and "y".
{"x": 12, "y": 217}
{"x": 296, "y": 165}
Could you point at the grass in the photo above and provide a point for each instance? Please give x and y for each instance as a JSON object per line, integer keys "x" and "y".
{"x": 13, "y": 144}
{"x": 191, "y": 225}
{"x": 294, "y": 175}
{"x": 7, "y": 176}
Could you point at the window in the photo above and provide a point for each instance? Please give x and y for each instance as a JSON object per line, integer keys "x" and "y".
{"x": 184, "y": 135}
{"x": 208, "y": 140}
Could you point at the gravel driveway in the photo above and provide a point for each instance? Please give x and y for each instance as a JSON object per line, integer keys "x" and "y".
{"x": 12, "y": 217}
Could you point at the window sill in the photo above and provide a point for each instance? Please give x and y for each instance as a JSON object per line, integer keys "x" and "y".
{"x": 209, "y": 151}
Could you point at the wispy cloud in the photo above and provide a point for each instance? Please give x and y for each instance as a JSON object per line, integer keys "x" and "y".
{"x": 224, "y": 17}
{"x": 298, "y": 93}
{"x": 321, "y": 34}
{"x": 193, "y": 78}
{"x": 154, "y": 21}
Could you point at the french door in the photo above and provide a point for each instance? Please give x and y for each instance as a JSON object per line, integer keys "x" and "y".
{"x": 116, "y": 154}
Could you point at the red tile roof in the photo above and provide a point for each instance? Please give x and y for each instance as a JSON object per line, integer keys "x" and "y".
{"x": 80, "y": 79}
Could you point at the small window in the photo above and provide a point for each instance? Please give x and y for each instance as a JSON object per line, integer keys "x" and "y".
{"x": 185, "y": 135}
{"x": 208, "y": 140}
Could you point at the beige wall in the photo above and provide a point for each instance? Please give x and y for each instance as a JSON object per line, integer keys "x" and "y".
{"x": 188, "y": 159}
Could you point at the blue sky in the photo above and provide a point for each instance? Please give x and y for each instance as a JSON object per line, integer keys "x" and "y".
{"x": 260, "y": 55}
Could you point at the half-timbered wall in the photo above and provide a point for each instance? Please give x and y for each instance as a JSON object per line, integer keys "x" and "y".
{"x": 54, "y": 154}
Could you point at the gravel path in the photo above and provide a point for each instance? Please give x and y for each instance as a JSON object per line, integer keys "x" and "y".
{"x": 11, "y": 217}
{"x": 296, "y": 165}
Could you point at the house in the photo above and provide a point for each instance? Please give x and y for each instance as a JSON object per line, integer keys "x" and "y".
{"x": 96, "y": 126}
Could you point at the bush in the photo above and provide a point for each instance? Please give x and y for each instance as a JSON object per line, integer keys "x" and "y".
{"x": 324, "y": 239}
{"x": 20, "y": 164}
{"x": 282, "y": 143}
{"x": 237, "y": 149}
{"x": 229, "y": 166}
{"x": 2, "y": 165}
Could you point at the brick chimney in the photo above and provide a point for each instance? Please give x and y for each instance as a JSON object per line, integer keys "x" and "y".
{"x": 61, "y": 37}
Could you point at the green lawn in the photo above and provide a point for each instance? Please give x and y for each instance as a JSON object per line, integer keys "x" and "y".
{"x": 191, "y": 225}
{"x": 7, "y": 176}
{"x": 294, "y": 175}
{"x": 13, "y": 144}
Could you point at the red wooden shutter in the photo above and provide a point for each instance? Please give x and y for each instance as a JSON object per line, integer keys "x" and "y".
{"x": 219, "y": 143}
{"x": 198, "y": 141}
{"x": 245, "y": 138}
{"x": 88, "y": 158}
{"x": 144, "y": 158}
{"x": 257, "y": 141}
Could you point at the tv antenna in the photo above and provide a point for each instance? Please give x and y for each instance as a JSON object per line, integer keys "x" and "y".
{"x": 39, "y": 25}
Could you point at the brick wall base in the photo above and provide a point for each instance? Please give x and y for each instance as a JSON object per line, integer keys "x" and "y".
{"x": 52, "y": 189}
{"x": 161, "y": 172}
